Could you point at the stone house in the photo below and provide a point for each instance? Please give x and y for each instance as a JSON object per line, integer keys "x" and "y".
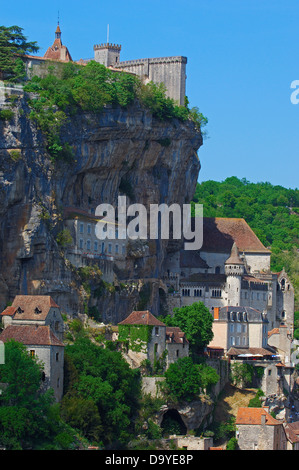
{"x": 258, "y": 430}
{"x": 36, "y": 321}
{"x": 150, "y": 339}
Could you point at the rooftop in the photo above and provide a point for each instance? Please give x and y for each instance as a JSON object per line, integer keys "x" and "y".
{"x": 30, "y": 307}
{"x": 219, "y": 234}
{"x": 254, "y": 416}
{"x": 33, "y": 335}
{"x": 142, "y": 318}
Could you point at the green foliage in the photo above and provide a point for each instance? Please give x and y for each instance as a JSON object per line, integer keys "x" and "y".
{"x": 185, "y": 380}
{"x": 232, "y": 444}
{"x": 195, "y": 321}
{"x": 6, "y": 114}
{"x": 104, "y": 379}
{"x": 64, "y": 238}
{"x": 242, "y": 374}
{"x": 13, "y": 44}
{"x": 271, "y": 212}
{"x": 26, "y": 415}
{"x": 136, "y": 337}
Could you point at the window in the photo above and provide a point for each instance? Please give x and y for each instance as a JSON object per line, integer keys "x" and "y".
{"x": 103, "y": 247}
{"x": 177, "y": 353}
{"x": 232, "y": 340}
{"x": 109, "y": 248}
{"x": 89, "y": 229}
{"x": 157, "y": 331}
{"x": 95, "y": 246}
{"x": 116, "y": 248}
{"x": 32, "y": 353}
{"x": 81, "y": 228}
{"x": 81, "y": 244}
{"x": 88, "y": 244}
{"x": 217, "y": 270}
{"x": 57, "y": 357}
{"x": 123, "y": 249}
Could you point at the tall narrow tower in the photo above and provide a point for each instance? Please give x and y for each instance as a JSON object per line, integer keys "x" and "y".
{"x": 234, "y": 270}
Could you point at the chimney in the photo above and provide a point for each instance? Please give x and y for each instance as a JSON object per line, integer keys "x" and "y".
{"x": 263, "y": 419}
{"x": 216, "y": 313}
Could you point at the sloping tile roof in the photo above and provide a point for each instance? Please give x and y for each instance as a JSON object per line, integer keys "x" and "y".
{"x": 219, "y": 234}
{"x": 142, "y": 318}
{"x": 292, "y": 431}
{"x": 192, "y": 259}
{"x": 254, "y": 416}
{"x": 175, "y": 335}
{"x": 253, "y": 351}
{"x": 28, "y": 305}
{"x": 33, "y": 335}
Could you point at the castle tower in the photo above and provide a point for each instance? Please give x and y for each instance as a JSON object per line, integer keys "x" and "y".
{"x": 234, "y": 270}
{"x": 107, "y": 54}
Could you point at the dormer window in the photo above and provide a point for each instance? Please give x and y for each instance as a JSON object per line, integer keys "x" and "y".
{"x": 37, "y": 311}
{"x": 19, "y": 310}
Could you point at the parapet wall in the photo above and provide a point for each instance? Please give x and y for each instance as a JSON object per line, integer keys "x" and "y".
{"x": 168, "y": 70}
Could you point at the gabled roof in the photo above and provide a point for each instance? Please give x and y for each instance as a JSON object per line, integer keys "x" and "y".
{"x": 175, "y": 335}
{"x": 30, "y": 307}
{"x": 142, "y": 318}
{"x": 219, "y": 234}
{"x": 32, "y": 335}
{"x": 292, "y": 431}
{"x": 254, "y": 416}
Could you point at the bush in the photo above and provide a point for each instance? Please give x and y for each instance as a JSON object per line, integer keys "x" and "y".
{"x": 232, "y": 444}
{"x": 6, "y": 114}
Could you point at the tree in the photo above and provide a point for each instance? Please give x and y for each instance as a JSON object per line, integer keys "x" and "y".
{"x": 105, "y": 381}
{"x": 185, "y": 380}
{"x": 13, "y": 44}
{"x": 195, "y": 321}
{"x": 24, "y": 410}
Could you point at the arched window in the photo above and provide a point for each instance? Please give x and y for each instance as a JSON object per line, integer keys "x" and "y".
{"x": 217, "y": 270}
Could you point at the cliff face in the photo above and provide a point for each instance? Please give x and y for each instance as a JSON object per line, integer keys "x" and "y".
{"x": 156, "y": 160}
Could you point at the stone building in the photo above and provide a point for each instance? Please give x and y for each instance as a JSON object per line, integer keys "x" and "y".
{"x": 162, "y": 340}
{"x": 36, "y": 321}
{"x": 240, "y": 327}
{"x": 88, "y": 248}
{"x": 232, "y": 268}
{"x": 171, "y": 71}
{"x": 258, "y": 430}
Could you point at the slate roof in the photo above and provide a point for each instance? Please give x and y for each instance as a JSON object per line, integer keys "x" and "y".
{"x": 219, "y": 234}
{"x": 254, "y": 416}
{"x": 24, "y": 307}
{"x": 33, "y": 335}
{"x": 142, "y": 318}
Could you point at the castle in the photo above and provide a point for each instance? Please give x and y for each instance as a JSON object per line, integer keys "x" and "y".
{"x": 168, "y": 70}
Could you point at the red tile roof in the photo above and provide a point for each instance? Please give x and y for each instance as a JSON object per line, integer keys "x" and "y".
{"x": 24, "y": 307}
{"x": 254, "y": 416}
{"x": 292, "y": 431}
{"x": 142, "y": 318}
{"x": 33, "y": 335}
{"x": 219, "y": 234}
{"x": 175, "y": 335}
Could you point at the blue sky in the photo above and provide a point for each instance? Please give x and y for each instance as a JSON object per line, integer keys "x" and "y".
{"x": 242, "y": 57}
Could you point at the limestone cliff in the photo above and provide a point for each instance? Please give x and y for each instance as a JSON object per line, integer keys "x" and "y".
{"x": 158, "y": 160}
